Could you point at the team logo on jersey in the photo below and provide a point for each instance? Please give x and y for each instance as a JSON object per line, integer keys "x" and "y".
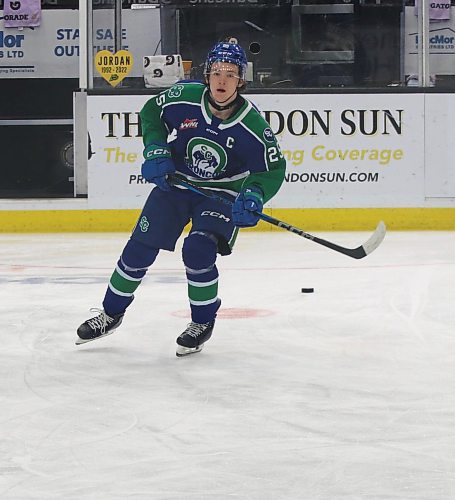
{"x": 188, "y": 123}
{"x": 268, "y": 135}
{"x": 175, "y": 91}
{"x": 205, "y": 158}
{"x": 144, "y": 224}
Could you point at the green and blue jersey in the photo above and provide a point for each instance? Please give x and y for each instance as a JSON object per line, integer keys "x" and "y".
{"x": 227, "y": 155}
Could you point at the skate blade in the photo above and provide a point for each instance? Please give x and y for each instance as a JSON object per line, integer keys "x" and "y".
{"x": 186, "y": 351}
{"x": 80, "y": 341}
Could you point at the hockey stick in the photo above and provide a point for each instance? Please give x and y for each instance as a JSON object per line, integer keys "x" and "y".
{"x": 356, "y": 253}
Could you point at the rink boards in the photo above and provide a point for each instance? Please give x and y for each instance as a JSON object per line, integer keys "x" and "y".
{"x": 331, "y": 219}
{"x": 352, "y": 159}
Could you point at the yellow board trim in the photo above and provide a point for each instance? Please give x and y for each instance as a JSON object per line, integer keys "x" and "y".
{"x": 311, "y": 219}
{"x": 66, "y": 221}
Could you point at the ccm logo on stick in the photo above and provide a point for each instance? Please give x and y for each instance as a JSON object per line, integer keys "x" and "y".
{"x": 215, "y": 214}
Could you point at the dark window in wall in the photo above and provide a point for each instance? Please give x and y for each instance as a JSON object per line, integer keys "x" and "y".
{"x": 350, "y": 44}
{"x": 37, "y": 161}
{"x": 36, "y": 157}
{"x": 360, "y": 48}
{"x": 28, "y": 98}
{"x": 262, "y": 31}
{"x": 378, "y": 45}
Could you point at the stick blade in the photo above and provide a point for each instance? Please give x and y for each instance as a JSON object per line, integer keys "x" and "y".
{"x": 375, "y": 239}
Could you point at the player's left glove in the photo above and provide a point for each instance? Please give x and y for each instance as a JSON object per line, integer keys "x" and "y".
{"x": 158, "y": 165}
{"x": 244, "y": 210}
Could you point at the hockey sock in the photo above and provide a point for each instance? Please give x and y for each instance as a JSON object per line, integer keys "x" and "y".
{"x": 199, "y": 256}
{"x": 134, "y": 262}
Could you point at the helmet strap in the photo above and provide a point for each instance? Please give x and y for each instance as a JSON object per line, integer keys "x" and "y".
{"x": 219, "y": 107}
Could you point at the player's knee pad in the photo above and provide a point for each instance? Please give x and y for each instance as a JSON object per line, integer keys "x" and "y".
{"x": 136, "y": 258}
{"x": 199, "y": 251}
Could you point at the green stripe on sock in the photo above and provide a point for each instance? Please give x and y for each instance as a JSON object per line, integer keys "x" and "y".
{"x": 233, "y": 238}
{"x": 122, "y": 284}
{"x": 202, "y": 293}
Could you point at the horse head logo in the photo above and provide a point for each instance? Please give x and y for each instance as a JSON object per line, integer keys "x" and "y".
{"x": 206, "y": 158}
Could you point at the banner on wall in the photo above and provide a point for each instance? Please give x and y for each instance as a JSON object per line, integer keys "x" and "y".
{"x": 52, "y": 51}
{"x": 437, "y": 10}
{"x": 342, "y": 151}
{"x": 22, "y": 13}
{"x": 349, "y": 150}
{"x": 441, "y": 40}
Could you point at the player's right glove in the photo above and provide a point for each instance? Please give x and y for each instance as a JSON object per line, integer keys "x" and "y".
{"x": 157, "y": 165}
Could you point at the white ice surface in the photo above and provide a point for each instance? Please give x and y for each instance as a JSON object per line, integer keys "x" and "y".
{"x": 347, "y": 393}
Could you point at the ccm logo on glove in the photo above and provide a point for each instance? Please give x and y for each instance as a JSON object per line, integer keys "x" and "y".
{"x": 157, "y": 165}
{"x": 157, "y": 151}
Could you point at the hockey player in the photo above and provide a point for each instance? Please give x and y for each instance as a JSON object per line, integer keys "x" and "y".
{"x": 210, "y": 135}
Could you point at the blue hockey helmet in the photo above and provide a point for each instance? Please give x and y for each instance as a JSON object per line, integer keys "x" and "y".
{"x": 227, "y": 52}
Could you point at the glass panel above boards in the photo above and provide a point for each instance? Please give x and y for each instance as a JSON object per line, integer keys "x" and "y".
{"x": 289, "y": 43}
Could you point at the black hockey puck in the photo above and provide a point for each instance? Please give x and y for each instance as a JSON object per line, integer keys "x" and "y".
{"x": 307, "y": 290}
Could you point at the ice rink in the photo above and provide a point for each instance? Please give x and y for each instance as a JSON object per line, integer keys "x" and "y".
{"x": 344, "y": 394}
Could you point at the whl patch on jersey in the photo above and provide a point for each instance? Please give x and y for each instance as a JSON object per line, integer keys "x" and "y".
{"x": 205, "y": 158}
{"x": 188, "y": 123}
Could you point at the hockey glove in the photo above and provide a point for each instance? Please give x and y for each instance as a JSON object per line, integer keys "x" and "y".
{"x": 244, "y": 210}
{"x": 157, "y": 165}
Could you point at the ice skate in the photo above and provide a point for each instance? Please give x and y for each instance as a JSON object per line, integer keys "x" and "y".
{"x": 99, "y": 326}
{"x": 193, "y": 338}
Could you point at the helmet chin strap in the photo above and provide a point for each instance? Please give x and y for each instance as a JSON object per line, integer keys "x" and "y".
{"x": 220, "y": 107}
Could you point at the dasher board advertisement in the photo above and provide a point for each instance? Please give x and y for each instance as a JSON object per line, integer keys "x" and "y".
{"x": 52, "y": 49}
{"x": 439, "y": 137}
{"x": 342, "y": 151}
{"x": 349, "y": 151}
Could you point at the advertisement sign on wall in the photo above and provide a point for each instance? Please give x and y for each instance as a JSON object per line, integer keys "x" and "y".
{"x": 342, "y": 151}
{"x": 21, "y": 14}
{"x": 441, "y": 40}
{"x": 349, "y": 151}
{"x": 52, "y": 49}
{"x": 439, "y": 137}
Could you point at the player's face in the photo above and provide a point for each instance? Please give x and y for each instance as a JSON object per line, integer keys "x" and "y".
{"x": 224, "y": 80}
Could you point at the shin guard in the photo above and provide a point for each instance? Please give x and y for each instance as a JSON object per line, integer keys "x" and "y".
{"x": 199, "y": 256}
{"x": 134, "y": 262}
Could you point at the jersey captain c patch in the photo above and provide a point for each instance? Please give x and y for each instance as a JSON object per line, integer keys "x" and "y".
{"x": 205, "y": 158}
